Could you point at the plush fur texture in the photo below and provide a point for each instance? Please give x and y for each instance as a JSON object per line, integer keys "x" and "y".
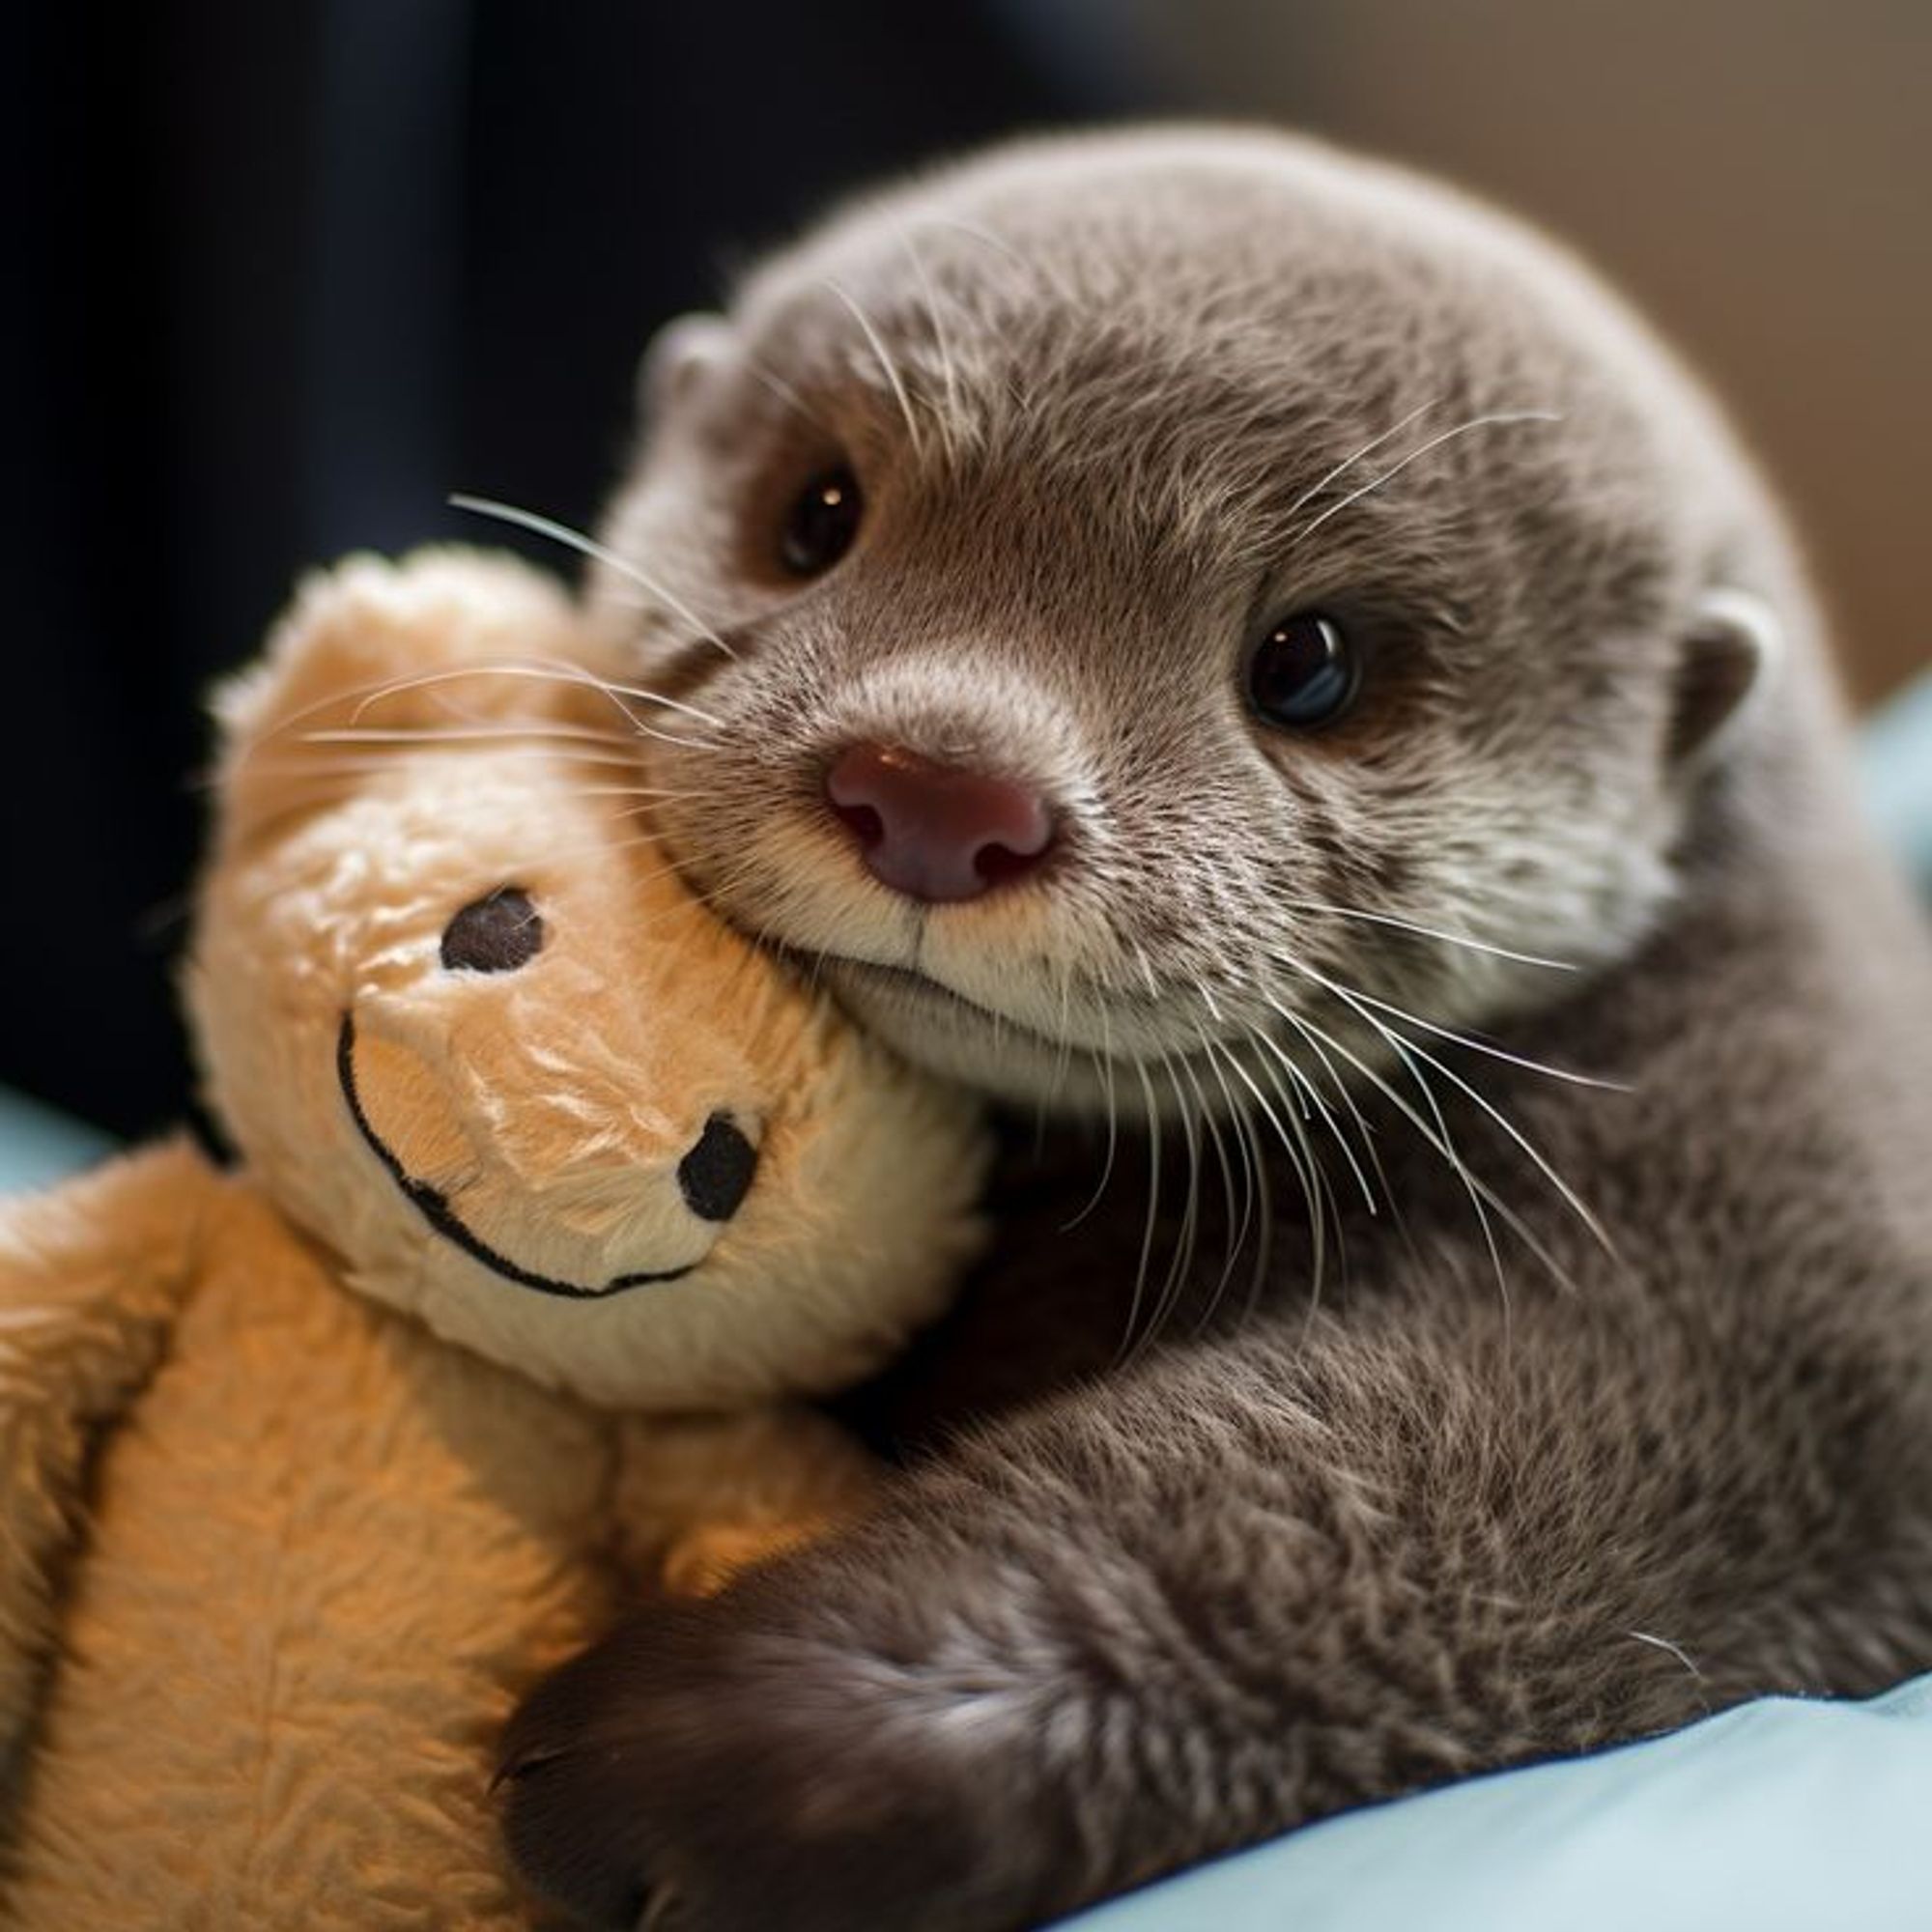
{"x": 312, "y": 1469}
{"x": 1558, "y": 1411}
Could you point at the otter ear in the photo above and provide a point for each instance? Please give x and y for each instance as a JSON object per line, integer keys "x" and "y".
{"x": 679, "y": 356}
{"x": 1730, "y": 654}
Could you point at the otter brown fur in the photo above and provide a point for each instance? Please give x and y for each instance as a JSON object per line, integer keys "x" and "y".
{"x": 1527, "y": 1436}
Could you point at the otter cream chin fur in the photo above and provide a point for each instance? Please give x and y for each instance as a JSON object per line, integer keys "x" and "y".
{"x": 1227, "y": 636}
{"x": 550, "y": 1190}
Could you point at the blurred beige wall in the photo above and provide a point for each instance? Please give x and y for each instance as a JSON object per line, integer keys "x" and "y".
{"x": 1757, "y": 173}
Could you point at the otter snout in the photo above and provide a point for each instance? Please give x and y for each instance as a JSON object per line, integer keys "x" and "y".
{"x": 935, "y": 832}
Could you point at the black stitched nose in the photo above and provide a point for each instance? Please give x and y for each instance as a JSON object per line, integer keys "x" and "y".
{"x": 716, "y": 1173}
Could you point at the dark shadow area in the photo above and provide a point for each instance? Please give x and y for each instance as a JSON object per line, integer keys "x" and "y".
{"x": 287, "y": 275}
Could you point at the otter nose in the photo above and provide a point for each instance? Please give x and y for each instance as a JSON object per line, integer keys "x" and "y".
{"x": 935, "y": 832}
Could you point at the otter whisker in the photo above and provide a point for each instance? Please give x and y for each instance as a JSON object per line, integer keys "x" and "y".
{"x": 1147, "y": 972}
{"x": 1446, "y": 1141}
{"x": 1254, "y": 1164}
{"x": 1468, "y": 1179}
{"x": 1348, "y": 463}
{"x": 1205, "y": 994}
{"x": 1181, "y": 1261}
{"x": 613, "y": 749}
{"x": 1258, "y": 1196}
{"x": 344, "y": 766}
{"x": 555, "y": 737}
{"x": 1320, "y": 1172}
{"x": 682, "y": 706}
{"x": 1675, "y": 1650}
{"x": 1113, "y": 1105}
{"x": 682, "y": 741}
{"x": 1062, "y": 1058}
{"x": 1347, "y": 1093}
{"x": 886, "y": 363}
{"x": 1495, "y": 1052}
{"x": 1038, "y": 271}
{"x": 1430, "y": 932}
{"x": 540, "y": 670}
{"x": 1534, "y": 1155}
{"x": 1405, "y": 1047}
{"x": 1103, "y": 1065}
{"x": 1303, "y": 1169}
{"x": 1435, "y": 442}
{"x": 1130, "y": 1339}
{"x": 951, "y": 415}
{"x": 785, "y": 394}
{"x": 1237, "y": 1225}
{"x": 1258, "y": 1275}
{"x": 1323, "y": 1112}
{"x": 549, "y": 526}
{"x": 361, "y": 697}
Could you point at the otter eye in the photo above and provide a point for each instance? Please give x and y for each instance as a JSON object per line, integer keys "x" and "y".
{"x": 1303, "y": 673}
{"x": 822, "y": 523}
{"x": 495, "y": 934}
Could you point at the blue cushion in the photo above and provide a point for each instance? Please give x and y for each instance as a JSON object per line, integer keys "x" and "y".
{"x": 1780, "y": 1816}
{"x": 37, "y": 1146}
{"x": 1899, "y": 777}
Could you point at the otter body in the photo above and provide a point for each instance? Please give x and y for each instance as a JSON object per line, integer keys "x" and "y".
{"x": 1203, "y": 634}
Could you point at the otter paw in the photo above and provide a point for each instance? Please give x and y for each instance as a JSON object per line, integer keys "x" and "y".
{"x": 699, "y": 1771}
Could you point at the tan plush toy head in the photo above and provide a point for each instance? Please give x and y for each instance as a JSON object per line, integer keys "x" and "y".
{"x": 471, "y": 1033}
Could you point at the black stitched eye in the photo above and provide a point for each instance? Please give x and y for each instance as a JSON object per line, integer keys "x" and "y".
{"x": 1303, "y": 673}
{"x": 822, "y": 523}
{"x": 495, "y": 934}
{"x": 716, "y": 1175}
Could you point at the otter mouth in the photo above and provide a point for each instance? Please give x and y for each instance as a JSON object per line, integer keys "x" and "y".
{"x": 909, "y": 984}
{"x": 432, "y": 1205}
{"x": 1024, "y": 1065}
{"x": 914, "y": 988}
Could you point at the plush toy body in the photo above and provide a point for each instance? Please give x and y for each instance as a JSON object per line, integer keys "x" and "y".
{"x": 551, "y": 1191}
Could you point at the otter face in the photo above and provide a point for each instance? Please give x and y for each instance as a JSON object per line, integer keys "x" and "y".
{"x": 470, "y": 1028}
{"x": 1174, "y": 597}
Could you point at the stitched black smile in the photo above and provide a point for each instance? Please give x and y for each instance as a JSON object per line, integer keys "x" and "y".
{"x": 435, "y": 1208}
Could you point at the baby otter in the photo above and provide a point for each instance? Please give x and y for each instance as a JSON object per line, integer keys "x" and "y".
{"x": 1190, "y": 623}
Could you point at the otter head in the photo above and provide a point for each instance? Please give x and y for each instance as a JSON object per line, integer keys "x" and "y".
{"x": 467, "y": 1028}
{"x": 1162, "y": 597}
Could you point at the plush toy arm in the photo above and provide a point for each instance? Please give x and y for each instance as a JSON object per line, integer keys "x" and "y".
{"x": 700, "y": 1497}
{"x": 91, "y": 1278}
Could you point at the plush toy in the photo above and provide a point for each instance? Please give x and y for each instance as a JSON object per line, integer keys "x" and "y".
{"x": 552, "y": 1189}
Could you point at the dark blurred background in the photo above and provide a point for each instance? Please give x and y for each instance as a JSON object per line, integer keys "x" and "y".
{"x": 289, "y": 273}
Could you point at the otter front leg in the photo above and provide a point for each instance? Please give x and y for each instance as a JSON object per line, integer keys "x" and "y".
{"x": 92, "y": 1277}
{"x": 1247, "y": 1588}
{"x": 701, "y": 1497}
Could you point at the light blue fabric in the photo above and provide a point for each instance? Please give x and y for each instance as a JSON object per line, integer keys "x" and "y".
{"x": 1780, "y": 1816}
{"x": 1898, "y": 777}
{"x": 37, "y": 1146}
